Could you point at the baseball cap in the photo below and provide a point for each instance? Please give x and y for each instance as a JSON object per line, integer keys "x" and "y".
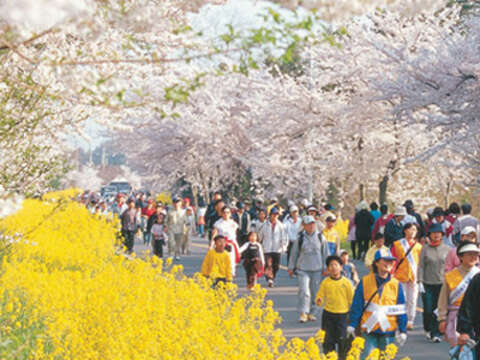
{"x": 308, "y": 219}
{"x": 293, "y": 208}
{"x": 468, "y": 230}
{"x": 384, "y": 254}
{"x": 274, "y": 210}
{"x": 312, "y": 208}
{"x": 331, "y": 218}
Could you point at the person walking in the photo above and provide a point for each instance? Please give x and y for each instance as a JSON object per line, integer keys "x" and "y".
{"x": 468, "y": 322}
{"x": 253, "y": 259}
{"x": 336, "y": 295}
{"x": 176, "y": 228}
{"x": 130, "y": 223}
{"x": 431, "y": 272}
{"x": 216, "y": 264}
{"x": 348, "y": 268}
{"x": 226, "y": 227}
{"x": 453, "y": 290}
{"x": 293, "y": 225}
{"x": 159, "y": 235}
{"x": 384, "y": 218}
{"x": 407, "y": 252}
{"x": 452, "y": 261}
{"x": 364, "y": 222}
{"x": 189, "y": 230}
{"x": 308, "y": 257}
{"x": 394, "y": 228}
{"x": 273, "y": 237}
{"x": 331, "y": 236}
{"x": 466, "y": 219}
{"x": 378, "y": 244}
{"x": 378, "y": 306}
{"x": 242, "y": 218}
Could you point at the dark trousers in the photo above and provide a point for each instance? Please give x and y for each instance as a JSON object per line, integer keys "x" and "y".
{"x": 252, "y": 267}
{"x": 289, "y": 250}
{"x": 430, "y": 301}
{"x": 158, "y": 247}
{"x": 354, "y": 245}
{"x": 335, "y": 327}
{"x": 363, "y": 246}
{"x": 128, "y": 239}
{"x": 272, "y": 264}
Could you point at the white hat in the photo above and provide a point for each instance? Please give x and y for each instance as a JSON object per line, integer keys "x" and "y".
{"x": 308, "y": 219}
{"x": 400, "y": 211}
{"x": 468, "y": 230}
{"x": 305, "y": 202}
{"x": 293, "y": 208}
{"x": 469, "y": 248}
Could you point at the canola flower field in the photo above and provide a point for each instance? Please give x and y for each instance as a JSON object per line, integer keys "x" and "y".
{"x": 68, "y": 293}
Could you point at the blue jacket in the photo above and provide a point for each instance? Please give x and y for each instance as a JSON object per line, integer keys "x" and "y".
{"x": 359, "y": 302}
{"x": 393, "y": 232}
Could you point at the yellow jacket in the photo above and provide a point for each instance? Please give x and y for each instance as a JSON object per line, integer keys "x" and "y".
{"x": 217, "y": 265}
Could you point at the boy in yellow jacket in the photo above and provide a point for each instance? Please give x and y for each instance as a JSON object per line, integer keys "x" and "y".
{"x": 336, "y": 294}
{"x": 216, "y": 264}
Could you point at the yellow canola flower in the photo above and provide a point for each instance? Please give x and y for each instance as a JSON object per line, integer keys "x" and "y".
{"x": 63, "y": 283}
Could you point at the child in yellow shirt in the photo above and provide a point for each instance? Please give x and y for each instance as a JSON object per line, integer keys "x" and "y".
{"x": 336, "y": 296}
{"x": 216, "y": 264}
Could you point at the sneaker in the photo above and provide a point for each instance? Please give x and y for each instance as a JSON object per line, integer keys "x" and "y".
{"x": 409, "y": 326}
{"x": 428, "y": 336}
{"x": 436, "y": 339}
{"x": 311, "y": 317}
{"x": 177, "y": 258}
{"x": 270, "y": 283}
{"x": 303, "y": 318}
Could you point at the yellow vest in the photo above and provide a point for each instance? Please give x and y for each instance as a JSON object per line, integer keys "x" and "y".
{"x": 453, "y": 279}
{"x": 389, "y": 297}
{"x": 404, "y": 272}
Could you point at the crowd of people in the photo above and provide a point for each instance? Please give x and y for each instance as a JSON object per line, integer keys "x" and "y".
{"x": 435, "y": 257}
{"x": 408, "y": 256}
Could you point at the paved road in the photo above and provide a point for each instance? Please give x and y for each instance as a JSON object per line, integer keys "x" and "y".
{"x": 284, "y": 296}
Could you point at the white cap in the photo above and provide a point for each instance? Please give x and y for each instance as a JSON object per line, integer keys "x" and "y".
{"x": 469, "y": 248}
{"x": 308, "y": 219}
{"x": 400, "y": 211}
{"x": 293, "y": 208}
{"x": 468, "y": 230}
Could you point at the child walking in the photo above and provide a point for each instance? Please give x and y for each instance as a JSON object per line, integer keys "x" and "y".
{"x": 336, "y": 295}
{"x": 349, "y": 269}
{"x": 160, "y": 238}
{"x": 253, "y": 259}
{"x": 217, "y": 265}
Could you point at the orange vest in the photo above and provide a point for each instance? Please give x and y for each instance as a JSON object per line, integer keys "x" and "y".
{"x": 404, "y": 272}
{"x": 389, "y": 297}
{"x": 453, "y": 279}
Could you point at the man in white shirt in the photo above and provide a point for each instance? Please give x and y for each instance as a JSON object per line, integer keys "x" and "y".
{"x": 293, "y": 226}
{"x": 274, "y": 239}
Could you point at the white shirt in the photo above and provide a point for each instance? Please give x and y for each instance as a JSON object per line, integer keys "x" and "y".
{"x": 273, "y": 241}
{"x": 227, "y": 228}
{"x": 293, "y": 228}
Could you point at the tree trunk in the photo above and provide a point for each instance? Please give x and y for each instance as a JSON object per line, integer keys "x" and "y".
{"x": 361, "y": 189}
{"x": 195, "y": 196}
{"x": 382, "y": 190}
{"x": 447, "y": 194}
